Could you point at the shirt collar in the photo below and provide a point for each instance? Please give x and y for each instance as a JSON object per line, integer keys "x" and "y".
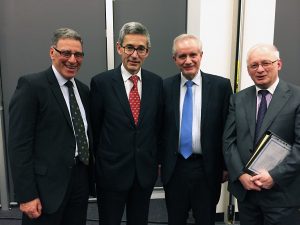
{"x": 126, "y": 75}
{"x": 196, "y": 80}
{"x": 61, "y": 80}
{"x": 271, "y": 89}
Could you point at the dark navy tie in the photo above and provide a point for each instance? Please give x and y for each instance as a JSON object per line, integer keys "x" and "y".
{"x": 185, "y": 147}
{"x": 261, "y": 113}
{"x": 79, "y": 129}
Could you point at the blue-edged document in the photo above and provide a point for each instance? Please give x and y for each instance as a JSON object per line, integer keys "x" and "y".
{"x": 269, "y": 152}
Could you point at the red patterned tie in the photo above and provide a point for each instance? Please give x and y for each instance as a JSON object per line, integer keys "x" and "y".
{"x": 134, "y": 99}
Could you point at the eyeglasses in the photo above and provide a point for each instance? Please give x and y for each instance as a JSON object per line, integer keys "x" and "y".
{"x": 129, "y": 50}
{"x": 265, "y": 64}
{"x": 67, "y": 54}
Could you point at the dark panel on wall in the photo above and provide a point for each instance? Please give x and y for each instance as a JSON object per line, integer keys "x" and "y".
{"x": 26, "y": 31}
{"x": 287, "y": 38}
{"x": 27, "y": 37}
{"x": 164, "y": 19}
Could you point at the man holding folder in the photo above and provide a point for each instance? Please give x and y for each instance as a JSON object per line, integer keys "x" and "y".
{"x": 270, "y": 105}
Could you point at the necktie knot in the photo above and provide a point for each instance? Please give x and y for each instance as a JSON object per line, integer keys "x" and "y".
{"x": 134, "y": 79}
{"x": 263, "y": 92}
{"x": 69, "y": 84}
{"x": 189, "y": 83}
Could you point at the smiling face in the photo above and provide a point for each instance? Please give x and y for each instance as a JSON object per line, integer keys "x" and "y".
{"x": 133, "y": 62}
{"x": 268, "y": 66}
{"x": 67, "y": 67}
{"x": 188, "y": 57}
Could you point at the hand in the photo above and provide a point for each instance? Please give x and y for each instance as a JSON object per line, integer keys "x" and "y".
{"x": 225, "y": 176}
{"x": 247, "y": 183}
{"x": 263, "y": 180}
{"x": 32, "y": 209}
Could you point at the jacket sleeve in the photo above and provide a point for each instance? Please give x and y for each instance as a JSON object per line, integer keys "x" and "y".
{"x": 231, "y": 154}
{"x": 23, "y": 111}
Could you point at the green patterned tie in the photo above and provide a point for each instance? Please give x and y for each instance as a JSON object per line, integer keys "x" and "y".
{"x": 80, "y": 136}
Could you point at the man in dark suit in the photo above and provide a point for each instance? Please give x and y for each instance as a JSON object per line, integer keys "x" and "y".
{"x": 271, "y": 197}
{"x": 125, "y": 109}
{"x": 192, "y": 179}
{"x": 49, "y": 157}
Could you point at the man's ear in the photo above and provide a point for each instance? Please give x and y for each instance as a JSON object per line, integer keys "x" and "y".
{"x": 119, "y": 48}
{"x": 174, "y": 57}
{"x": 279, "y": 63}
{"x": 51, "y": 53}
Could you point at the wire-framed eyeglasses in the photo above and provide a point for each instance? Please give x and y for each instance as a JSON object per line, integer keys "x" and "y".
{"x": 265, "y": 64}
{"x": 129, "y": 50}
{"x": 67, "y": 54}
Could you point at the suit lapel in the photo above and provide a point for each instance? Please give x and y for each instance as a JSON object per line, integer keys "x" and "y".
{"x": 279, "y": 99}
{"x": 176, "y": 99}
{"x": 82, "y": 95}
{"x": 249, "y": 105}
{"x": 85, "y": 101}
{"x": 119, "y": 89}
{"x": 206, "y": 88}
{"x": 54, "y": 86}
{"x": 146, "y": 96}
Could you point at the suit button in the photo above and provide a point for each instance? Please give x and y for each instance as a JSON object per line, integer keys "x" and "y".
{"x": 138, "y": 149}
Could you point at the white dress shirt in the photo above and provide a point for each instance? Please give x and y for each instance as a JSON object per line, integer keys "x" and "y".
{"x": 128, "y": 83}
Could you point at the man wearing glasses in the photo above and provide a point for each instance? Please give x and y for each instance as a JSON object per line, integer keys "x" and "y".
{"x": 125, "y": 109}
{"x": 49, "y": 138}
{"x": 270, "y": 197}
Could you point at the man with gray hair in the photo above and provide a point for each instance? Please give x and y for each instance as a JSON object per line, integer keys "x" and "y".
{"x": 195, "y": 110}
{"x": 267, "y": 197}
{"x": 49, "y": 138}
{"x": 125, "y": 109}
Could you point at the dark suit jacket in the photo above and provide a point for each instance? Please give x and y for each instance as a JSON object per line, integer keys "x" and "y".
{"x": 282, "y": 118}
{"x": 122, "y": 149}
{"x": 215, "y": 99}
{"x": 41, "y": 140}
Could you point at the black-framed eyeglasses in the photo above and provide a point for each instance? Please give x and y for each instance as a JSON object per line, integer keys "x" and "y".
{"x": 67, "y": 54}
{"x": 265, "y": 64}
{"x": 129, "y": 50}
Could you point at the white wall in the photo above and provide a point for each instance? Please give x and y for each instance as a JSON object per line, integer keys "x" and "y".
{"x": 213, "y": 22}
{"x": 258, "y": 27}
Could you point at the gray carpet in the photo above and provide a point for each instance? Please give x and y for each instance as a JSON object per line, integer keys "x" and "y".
{"x": 157, "y": 215}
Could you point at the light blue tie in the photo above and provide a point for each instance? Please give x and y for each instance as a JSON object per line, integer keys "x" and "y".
{"x": 185, "y": 147}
